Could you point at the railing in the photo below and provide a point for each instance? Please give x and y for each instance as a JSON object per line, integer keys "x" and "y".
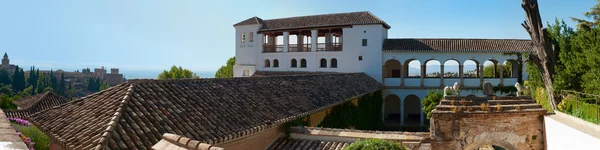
{"x": 272, "y": 48}
{"x": 586, "y": 105}
{"x": 329, "y": 46}
{"x": 299, "y": 47}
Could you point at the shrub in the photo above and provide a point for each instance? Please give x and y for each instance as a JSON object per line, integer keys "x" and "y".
{"x": 540, "y": 96}
{"x": 580, "y": 109}
{"x": 374, "y": 144}
{"x": 40, "y": 140}
{"x": 432, "y": 99}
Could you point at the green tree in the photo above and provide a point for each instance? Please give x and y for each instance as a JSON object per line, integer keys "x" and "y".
{"x": 5, "y": 77}
{"x": 61, "y": 85}
{"x": 104, "y": 86}
{"x": 488, "y": 71}
{"x": 432, "y": 99}
{"x": 6, "y": 90}
{"x": 177, "y": 73}
{"x": 227, "y": 70}
{"x": 594, "y": 14}
{"x": 374, "y": 144}
{"x": 18, "y": 83}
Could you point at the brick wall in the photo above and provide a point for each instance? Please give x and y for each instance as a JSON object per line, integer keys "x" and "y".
{"x": 522, "y": 130}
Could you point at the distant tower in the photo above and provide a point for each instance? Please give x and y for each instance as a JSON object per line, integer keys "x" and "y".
{"x": 5, "y": 61}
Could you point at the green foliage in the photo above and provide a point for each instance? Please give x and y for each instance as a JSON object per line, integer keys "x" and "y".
{"x": 488, "y": 71}
{"x": 540, "y": 96}
{"x": 5, "y": 77}
{"x": 18, "y": 79}
{"x": 227, "y": 70}
{"x": 505, "y": 89}
{"x": 374, "y": 144}
{"x": 104, "y": 86}
{"x": 365, "y": 116}
{"x": 177, "y": 73}
{"x": 6, "y": 102}
{"x": 432, "y": 99}
{"x": 41, "y": 140}
{"x": 579, "y": 107}
{"x": 298, "y": 122}
{"x": 594, "y": 14}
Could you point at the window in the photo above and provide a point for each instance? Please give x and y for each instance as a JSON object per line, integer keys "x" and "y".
{"x": 359, "y": 58}
{"x": 396, "y": 73}
{"x": 275, "y": 63}
{"x": 243, "y": 37}
{"x": 294, "y": 63}
{"x": 364, "y": 42}
{"x": 267, "y": 63}
{"x": 246, "y": 73}
{"x": 251, "y": 37}
{"x": 303, "y": 63}
{"x": 323, "y": 63}
{"x": 333, "y": 63}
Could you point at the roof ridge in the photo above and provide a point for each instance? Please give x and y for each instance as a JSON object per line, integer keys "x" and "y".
{"x": 48, "y": 93}
{"x": 320, "y": 15}
{"x": 112, "y": 124}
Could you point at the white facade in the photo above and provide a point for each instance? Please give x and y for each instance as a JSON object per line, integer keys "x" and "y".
{"x": 250, "y": 58}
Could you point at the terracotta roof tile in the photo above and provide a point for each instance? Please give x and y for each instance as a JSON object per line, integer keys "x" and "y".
{"x": 135, "y": 115}
{"x": 312, "y": 21}
{"x": 34, "y": 104}
{"x": 457, "y": 45}
{"x": 177, "y": 142}
{"x": 284, "y": 143}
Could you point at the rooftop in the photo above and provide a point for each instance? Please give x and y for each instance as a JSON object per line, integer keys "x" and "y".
{"x": 136, "y": 114}
{"x": 315, "y": 21}
{"x": 457, "y": 45}
{"x": 33, "y": 104}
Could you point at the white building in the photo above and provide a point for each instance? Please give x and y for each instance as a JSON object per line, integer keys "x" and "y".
{"x": 358, "y": 42}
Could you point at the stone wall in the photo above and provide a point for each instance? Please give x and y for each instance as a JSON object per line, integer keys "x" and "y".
{"x": 517, "y": 130}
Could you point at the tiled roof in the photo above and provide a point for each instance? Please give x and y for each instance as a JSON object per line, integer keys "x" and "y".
{"x": 313, "y": 21}
{"x": 457, "y": 45}
{"x": 284, "y": 143}
{"x": 136, "y": 114}
{"x": 177, "y": 142}
{"x": 34, "y": 104}
{"x": 288, "y": 73}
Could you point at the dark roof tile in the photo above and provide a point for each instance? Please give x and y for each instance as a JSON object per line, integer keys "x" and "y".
{"x": 208, "y": 110}
{"x": 313, "y": 21}
{"x": 34, "y": 104}
{"x": 457, "y": 45}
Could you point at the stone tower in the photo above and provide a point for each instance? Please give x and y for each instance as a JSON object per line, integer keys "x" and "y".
{"x": 5, "y": 61}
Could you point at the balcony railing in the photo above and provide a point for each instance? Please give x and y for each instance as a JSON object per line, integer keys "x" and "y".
{"x": 299, "y": 47}
{"x": 329, "y": 46}
{"x": 272, "y": 48}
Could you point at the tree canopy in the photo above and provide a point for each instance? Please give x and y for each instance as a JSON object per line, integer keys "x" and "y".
{"x": 177, "y": 73}
{"x": 432, "y": 99}
{"x": 594, "y": 14}
{"x": 227, "y": 70}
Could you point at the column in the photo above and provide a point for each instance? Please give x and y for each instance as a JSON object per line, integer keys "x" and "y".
{"x": 286, "y": 41}
{"x": 314, "y": 35}
{"x": 460, "y": 75}
{"x": 422, "y": 119}
{"x": 300, "y": 42}
{"x": 384, "y": 74}
{"x": 442, "y": 76}
{"x": 495, "y": 68}
{"x": 402, "y": 112}
{"x": 402, "y": 72}
{"x": 480, "y": 75}
{"x": 328, "y": 41}
{"x": 501, "y": 75}
{"x": 422, "y": 75}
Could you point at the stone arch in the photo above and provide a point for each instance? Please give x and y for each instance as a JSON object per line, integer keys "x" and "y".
{"x": 267, "y": 63}
{"x": 275, "y": 63}
{"x": 391, "y": 111}
{"x": 451, "y": 68}
{"x": 412, "y": 69}
{"x": 496, "y": 141}
{"x": 470, "y": 68}
{"x": 490, "y": 69}
{"x": 432, "y": 68}
{"x": 412, "y": 109}
{"x": 294, "y": 63}
{"x": 510, "y": 68}
{"x": 323, "y": 63}
{"x": 392, "y": 69}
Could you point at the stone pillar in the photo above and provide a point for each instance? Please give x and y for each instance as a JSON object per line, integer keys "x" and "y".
{"x": 328, "y": 41}
{"x": 300, "y": 42}
{"x": 286, "y": 41}
{"x": 441, "y": 75}
{"x": 460, "y": 75}
{"x": 494, "y": 71}
{"x": 480, "y": 70}
{"x": 402, "y": 72}
{"x": 402, "y": 112}
{"x": 422, "y": 119}
{"x": 423, "y": 75}
{"x": 314, "y": 35}
{"x": 501, "y": 75}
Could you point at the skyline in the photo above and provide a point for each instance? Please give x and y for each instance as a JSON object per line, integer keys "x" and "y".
{"x": 154, "y": 35}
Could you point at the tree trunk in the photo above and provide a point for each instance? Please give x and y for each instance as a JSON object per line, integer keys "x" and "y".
{"x": 543, "y": 57}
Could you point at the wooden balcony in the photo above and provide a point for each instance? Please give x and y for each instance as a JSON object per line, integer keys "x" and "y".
{"x": 272, "y": 48}
{"x": 300, "y": 48}
{"x": 329, "y": 46}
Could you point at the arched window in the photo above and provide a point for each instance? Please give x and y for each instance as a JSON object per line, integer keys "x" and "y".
{"x": 243, "y": 37}
{"x": 275, "y": 63}
{"x": 303, "y": 63}
{"x": 267, "y": 63}
{"x": 333, "y": 63}
{"x": 251, "y": 37}
{"x": 294, "y": 63}
{"x": 323, "y": 63}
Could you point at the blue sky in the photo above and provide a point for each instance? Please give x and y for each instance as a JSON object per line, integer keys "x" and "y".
{"x": 150, "y": 35}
